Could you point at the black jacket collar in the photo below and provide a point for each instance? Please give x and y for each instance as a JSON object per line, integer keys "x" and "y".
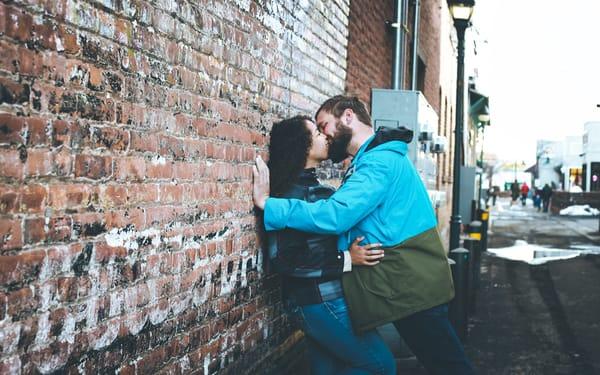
{"x": 384, "y": 135}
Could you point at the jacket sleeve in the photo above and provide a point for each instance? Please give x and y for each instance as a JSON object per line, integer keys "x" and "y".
{"x": 362, "y": 192}
{"x": 304, "y": 255}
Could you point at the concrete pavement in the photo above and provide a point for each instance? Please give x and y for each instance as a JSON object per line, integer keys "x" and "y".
{"x": 538, "y": 319}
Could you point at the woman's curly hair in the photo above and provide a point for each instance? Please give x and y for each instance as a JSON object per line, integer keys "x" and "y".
{"x": 289, "y": 147}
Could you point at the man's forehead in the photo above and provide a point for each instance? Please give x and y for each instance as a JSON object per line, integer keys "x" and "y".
{"x": 323, "y": 117}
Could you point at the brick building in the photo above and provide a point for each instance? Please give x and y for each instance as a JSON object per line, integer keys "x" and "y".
{"x": 370, "y": 54}
{"x": 128, "y": 240}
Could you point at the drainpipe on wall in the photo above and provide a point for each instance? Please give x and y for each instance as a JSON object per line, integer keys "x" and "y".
{"x": 415, "y": 58}
{"x": 397, "y": 64}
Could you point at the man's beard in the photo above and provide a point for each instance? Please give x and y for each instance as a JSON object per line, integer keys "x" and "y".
{"x": 338, "y": 147}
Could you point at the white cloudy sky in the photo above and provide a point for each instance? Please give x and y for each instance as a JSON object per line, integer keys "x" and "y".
{"x": 539, "y": 62}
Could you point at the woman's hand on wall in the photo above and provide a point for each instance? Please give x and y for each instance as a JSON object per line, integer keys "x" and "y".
{"x": 260, "y": 191}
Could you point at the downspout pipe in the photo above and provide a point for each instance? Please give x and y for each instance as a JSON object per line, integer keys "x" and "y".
{"x": 397, "y": 64}
{"x": 404, "y": 35}
{"x": 415, "y": 58}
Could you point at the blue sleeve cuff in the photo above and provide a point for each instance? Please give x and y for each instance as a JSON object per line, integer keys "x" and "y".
{"x": 276, "y": 210}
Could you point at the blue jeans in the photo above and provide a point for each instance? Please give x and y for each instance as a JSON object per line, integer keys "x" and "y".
{"x": 333, "y": 346}
{"x": 432, "y": 339}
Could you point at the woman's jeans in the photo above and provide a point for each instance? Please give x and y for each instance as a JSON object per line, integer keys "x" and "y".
{"x": 333, "y": 346}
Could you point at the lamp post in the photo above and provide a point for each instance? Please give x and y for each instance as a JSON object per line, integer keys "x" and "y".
{"x": 484, "y": 119}
{"x": 461, "y": 11}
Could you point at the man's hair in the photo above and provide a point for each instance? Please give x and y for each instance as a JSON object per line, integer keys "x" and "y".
{"x": 339, "y": 103}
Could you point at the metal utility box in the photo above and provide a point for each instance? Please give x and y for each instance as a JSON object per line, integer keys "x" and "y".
{"x": 410, "y": 109}
{"x": 467, "y": 193}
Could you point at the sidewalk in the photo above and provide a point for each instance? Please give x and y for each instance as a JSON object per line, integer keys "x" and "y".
{"x": 537, "y": 319}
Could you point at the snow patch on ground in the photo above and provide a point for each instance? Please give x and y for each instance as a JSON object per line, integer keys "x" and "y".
{"x": 535, "y": 254}
{"x": 583, "y": 210}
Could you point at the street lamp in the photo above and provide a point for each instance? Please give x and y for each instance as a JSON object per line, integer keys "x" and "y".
{"x": 484, "y": 120}
{"x": 461, "y": 11}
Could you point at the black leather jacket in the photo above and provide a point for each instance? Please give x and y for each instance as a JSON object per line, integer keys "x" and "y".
{"x": 310, "y": 264}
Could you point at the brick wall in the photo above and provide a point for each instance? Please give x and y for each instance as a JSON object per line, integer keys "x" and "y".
{"x": 128, "y": 240}
{"x": 429, "y": 49}
{"x": 370, "y": 47}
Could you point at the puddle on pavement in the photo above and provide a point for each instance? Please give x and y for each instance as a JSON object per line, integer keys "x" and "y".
{"x": 536, "y": 254}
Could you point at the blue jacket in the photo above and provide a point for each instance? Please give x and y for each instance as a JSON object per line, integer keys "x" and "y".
{"x": 382, "y": 198}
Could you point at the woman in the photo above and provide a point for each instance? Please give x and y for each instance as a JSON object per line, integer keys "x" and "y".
{"x": 310, "y": 264}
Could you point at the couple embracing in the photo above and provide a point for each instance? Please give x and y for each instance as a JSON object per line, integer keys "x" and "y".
{"x": 362, "y": 256}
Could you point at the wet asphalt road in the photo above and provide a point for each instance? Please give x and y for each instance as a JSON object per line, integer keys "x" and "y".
{"x": 542, "y": 319}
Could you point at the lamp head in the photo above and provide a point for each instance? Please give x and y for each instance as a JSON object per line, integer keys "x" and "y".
{"x": 461, "y": 10}
{"x": 484, "y": 115}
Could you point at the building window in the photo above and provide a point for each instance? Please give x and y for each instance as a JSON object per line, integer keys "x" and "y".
{"x": 421, "y": 70}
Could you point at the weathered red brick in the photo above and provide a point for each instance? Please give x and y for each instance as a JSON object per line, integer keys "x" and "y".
{"x": 68, "y": 38}
{"x": 12, "y": 92}
{"x": 11, "y": 129}
{"x": 110, "y": 138}
{"x": 33, "y": 198}
{"x": 20, "y": 25}
{"x": 130, "y": 169}
{"x": 40, "y": 162}
{"x": 11, "y": 236}
{"x": 62, "y": 196}
{"x": 8, "y": 199}
{"x": 92, "y": 166}
{"x": 59, "y": 229}
{"x": 63, "y": 162}
{"x": 21, "y": 268}
{"x": 20, "y": 303}
{"x": 33, "y": 230}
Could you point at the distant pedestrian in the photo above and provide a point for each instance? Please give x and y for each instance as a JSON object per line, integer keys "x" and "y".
{"x": 537, "y": 199}
{"x": 524, "y": 192}
{"x": 514, "y": 192}
{"x": 546, "y": 194}
{"x": 492, "y": 193}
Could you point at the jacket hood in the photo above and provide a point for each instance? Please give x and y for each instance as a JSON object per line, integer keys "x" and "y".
{"x": 385, "y": 137}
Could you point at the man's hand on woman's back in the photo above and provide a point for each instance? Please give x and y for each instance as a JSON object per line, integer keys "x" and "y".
{"x": 365, "y": 255}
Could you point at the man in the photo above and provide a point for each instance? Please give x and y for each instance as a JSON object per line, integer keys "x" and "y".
{"x": 546, "y": 195}
{"x": 514, "y": 192}
{"x": 383, "y": 199}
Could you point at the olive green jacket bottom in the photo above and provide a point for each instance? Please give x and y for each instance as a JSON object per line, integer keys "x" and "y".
{"x": 412, "y": 276}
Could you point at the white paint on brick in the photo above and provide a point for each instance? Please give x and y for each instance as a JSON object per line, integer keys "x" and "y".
{"x": 206, "y": 363}
{"x": 228, "y": 285}
{"x": 112, "y": 330}
{"x": 9, "y": 335}
{"x": 159, "y": 160}
{"x": 200, "y": 295}
{"x": 116, "y": 303}
{"x": 12, "y": 365}
{"x": 68, "y": 331}
{"x": 128, "y": 238}
{"x": 45, "y": 270}
{"x": 244, "y": 279}
{"x": 53, "y": 363}
{"x": 135, "y": 322}
{"x": 158, "y": 314}
{"x": 91, "y": 312}
{"x": 184, "y": 364}
{"x": 180, "y": 303}
{"x": 46, "y": 294}
{"x": 41, "y": 336}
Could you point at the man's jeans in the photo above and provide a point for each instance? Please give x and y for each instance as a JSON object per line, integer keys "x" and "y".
{"x": 333, "y": 346}
{"x": 432, "y": 339}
